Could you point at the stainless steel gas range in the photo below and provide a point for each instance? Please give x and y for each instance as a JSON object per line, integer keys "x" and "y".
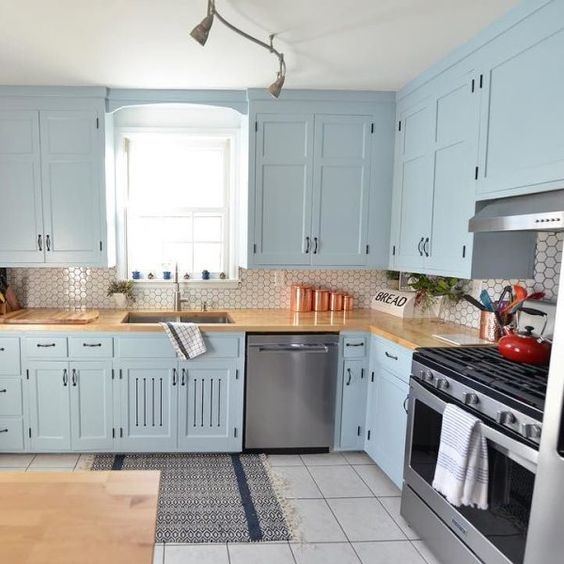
{"x": 509, "y": 399}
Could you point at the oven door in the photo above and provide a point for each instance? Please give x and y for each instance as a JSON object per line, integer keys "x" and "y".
{"x": 495, "y": 535}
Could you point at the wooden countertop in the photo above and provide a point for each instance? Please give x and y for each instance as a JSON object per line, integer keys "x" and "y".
{"x": 411, "y": 333}
{"x": 78, "y": 517}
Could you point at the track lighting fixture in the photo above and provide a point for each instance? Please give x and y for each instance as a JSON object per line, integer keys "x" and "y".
{"x": 201, "y": 32}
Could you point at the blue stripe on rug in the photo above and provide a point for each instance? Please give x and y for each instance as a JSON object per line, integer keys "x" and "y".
{"x": 255, "y": 532}
{"x": 117, "y": 464}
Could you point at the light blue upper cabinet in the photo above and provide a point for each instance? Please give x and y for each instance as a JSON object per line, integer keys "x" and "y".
{"x": 21, "y": 228}
{"x": 522, "y": 122}
{"x": 283, "y": 199}
{"x": 70, "y": 145}
{"x": 413, "y": 184}
{"x": 341, "y": 185}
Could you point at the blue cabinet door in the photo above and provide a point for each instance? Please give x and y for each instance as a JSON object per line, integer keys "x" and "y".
{"x": 353, "y": 409}
{"x": 522, "y": 133}
{"x": 283, "y": 197}
{"x": 91, "y": 391}
{"x": 388, "y": 420}
{"x": 49, "y": 406}
{"x": 455, "y": 155}
{"x": 413, "y": 185}
{"x": 21, "y": 228}
{"x": 210, "y": 407}
{"x": 71, "y": 153}
{"x": 341, "y": 186}
{"x": 149, "y": 405}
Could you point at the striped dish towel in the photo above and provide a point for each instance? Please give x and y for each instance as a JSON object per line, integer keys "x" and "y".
{"x": 185, "y": 338}
{"x": 461, "y": 474}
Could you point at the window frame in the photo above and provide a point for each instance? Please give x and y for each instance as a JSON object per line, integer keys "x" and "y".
{"x": 231, "y": 138}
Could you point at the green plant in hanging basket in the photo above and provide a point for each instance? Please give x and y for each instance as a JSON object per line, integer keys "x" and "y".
{"x": 122, "y": 287}
{"x": 429, "y": 288}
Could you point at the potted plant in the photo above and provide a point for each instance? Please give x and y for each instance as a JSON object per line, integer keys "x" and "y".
{"x": 393, "y": 278}
{"x": 433, "y": 290}
{"x": 121, "y": 291}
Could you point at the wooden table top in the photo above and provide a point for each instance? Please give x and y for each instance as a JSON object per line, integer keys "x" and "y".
{"x": 78, "y": 517}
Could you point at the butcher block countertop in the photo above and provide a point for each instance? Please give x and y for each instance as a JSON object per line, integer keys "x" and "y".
{"x": 78, "y": 517}
{"x": 411, "y": 333}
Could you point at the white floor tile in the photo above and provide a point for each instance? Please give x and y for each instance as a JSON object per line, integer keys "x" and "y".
{"x": 315, "y": 522}
{"x": 158, "y": 554}
{"x": 324, "y": 459}
{"x": 377, "y": 480}
{"x": 196, "y": 554}
{"x": 424, "y": 550}
{"x": 260, "y": 553}
{"x": 392, "y": 505}
{"x": 365, "y": 520}
{"x": 48, "y": 469}
{"x": 285, "y": 460}
{"x": 357, "y": 458}
{"x": 12, "y": 469}
{"x": 15, "y": 460}
{"x": 54, "y": 461}
{"x": 328, "y": 553}
{"x": 388, "y": 552}
{"x": 339, "y": 481}
{"x": 298, "y": 482}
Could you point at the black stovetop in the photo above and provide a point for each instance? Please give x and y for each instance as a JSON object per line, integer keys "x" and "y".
{"x": 486, "y": 370}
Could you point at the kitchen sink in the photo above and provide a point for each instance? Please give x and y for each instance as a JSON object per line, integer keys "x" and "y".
{"x": 200, "y": 317}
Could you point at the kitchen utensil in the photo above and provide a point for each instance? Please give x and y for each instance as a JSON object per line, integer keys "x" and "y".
{"x": 474, "y": 302}
{"x": 336, "y": 301}
{"x": 300, "y": 298}
{"x": 486, "y": 300}
{"x": 519, "y": 292}
{"x": 490, "y": 327}
{"x": 320, "y": 300}
{"x": 525, "y": 346}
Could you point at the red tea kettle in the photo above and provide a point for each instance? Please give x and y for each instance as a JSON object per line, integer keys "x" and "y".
{"x": 525, "y": 346}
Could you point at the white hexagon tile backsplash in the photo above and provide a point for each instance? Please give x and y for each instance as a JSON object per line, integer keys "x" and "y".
{"x": 81, "y": 287}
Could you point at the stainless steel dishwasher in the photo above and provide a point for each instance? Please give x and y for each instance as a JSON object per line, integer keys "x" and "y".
{"x": 290, "y": 392}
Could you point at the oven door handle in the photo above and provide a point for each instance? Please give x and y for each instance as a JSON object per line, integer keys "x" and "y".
{"x": 519, "y": 452}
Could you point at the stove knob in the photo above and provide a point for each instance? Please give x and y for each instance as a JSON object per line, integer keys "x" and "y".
{"x": 531, "y": 431}
{"x": 505, "y": 418}
{"x": 442, "y": 384}
{"x": 471, "y": 399}
{"x": 428, "y": 377}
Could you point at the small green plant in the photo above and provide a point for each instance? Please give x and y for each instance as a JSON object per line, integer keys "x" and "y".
{"x": 429, "y": 288}
{"x": 122, "y": 287}
{"x": 392, "y": 275}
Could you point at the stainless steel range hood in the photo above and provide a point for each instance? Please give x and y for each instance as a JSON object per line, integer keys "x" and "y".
{"x": 537, "y": 212}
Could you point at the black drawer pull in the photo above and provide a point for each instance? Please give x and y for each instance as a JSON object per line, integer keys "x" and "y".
{"x": 91, "y": 344}
{"x": 3, "y": 391}
{"x": 39, "y": 345}
{"x": 3, "y": 430}
{"x": 2, "y": 349}
{"x": 391, "y": 356}
{"x": 350, "y": 377}
{"x": 354, "y": 345}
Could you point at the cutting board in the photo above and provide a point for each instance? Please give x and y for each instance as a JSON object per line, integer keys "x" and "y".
{"x": 51, "y": 317}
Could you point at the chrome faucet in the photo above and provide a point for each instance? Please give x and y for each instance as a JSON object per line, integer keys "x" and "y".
{"x": 178, "y": 299}
{"x": 204, "y": 305}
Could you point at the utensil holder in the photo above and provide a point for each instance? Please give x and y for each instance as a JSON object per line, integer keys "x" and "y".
{"x": 490, "y": 330}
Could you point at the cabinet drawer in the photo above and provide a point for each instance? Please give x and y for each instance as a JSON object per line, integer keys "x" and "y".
{"x": 11, "y": 434}
{"x": 395, "y": 358}
{"x": 45, "y": 347}
{"x": 10, "y": 396}
{"x": 160, "y": 347}
{"x": 91, "y": 347}
{"x": 354, "y": 347}
{"x": 9, "y": 355}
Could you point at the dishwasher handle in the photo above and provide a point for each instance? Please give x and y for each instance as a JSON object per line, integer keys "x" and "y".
{"x": 295, "y": 347}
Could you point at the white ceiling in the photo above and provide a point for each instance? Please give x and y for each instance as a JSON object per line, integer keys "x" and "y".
{"x": 344, "y": 44}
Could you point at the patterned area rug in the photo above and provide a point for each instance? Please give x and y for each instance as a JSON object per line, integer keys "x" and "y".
{"x": 210, "y": 498}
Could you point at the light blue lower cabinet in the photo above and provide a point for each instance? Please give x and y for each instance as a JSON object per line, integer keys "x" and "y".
{"x": 147, "y": 419}
{"x": 353, "y": 408}
{"x": 210, "y": 406}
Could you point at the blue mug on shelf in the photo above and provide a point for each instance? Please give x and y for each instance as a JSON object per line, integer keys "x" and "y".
{"x": 136, "y": 275}
{"x": 167, "y": 275}
{"x": 205, "y": 275}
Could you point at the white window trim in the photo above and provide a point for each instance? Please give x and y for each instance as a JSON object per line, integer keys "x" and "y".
{"x": 121, "y": 181}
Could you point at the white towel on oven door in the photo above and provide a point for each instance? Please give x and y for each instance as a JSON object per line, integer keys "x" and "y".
{"x": 461, "y": 474}
{"x": 186, "y": 339}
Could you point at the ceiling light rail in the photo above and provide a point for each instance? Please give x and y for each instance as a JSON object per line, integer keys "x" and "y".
{"x": 201, "y": 32}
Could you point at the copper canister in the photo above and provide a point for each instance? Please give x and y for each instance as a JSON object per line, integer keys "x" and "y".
{"x": 347, "y": 302}
{"x": 336, "y": 301}
{"x": 300, "y": 297}
{"x": 320, "y": 300}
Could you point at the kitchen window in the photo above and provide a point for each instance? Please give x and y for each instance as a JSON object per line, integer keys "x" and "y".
{"x": 178, "y": 203}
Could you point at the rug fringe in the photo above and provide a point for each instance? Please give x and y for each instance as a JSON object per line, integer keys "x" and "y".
{"x": 280, "y": 486}
{"x": 85, "y": 462}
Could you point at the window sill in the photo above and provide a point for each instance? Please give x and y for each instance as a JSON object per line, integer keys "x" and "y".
{"x": 213, "y": 283}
